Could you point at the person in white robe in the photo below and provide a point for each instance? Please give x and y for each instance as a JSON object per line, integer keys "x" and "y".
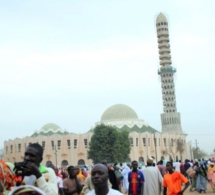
{"x": 153, "y": 179}
{"x": 125, "y": 171}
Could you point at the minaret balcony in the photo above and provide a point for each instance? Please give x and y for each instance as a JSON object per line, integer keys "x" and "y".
{"x": 169, "y": 69}
{"x": 166, "y": 62}
{"x": 163, "y": 45}
{"x": 162, "y": 33}
{"x": 165, "y": 56}
{"x": 163, "y": 39}
{"x": 164, "y": 50}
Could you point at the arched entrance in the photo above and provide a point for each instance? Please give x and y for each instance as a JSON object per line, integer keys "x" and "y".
{"x": 81, "y": 162}
{"x": 141, "y": 161}
{"x": 64, "y": 163}
{"x": 48, "y": 163}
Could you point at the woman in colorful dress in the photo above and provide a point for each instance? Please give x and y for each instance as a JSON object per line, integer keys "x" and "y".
{"x": 201, "y": 181}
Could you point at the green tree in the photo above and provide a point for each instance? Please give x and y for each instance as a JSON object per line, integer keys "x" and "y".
{"x": 198, "y": 153}
{"x": 122, "y": 146}
{"x": 109, "y": 144}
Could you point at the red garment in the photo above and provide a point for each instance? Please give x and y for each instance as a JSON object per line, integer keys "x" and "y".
{"x": 182, "y": 168}
{"x": 134, "y": 182}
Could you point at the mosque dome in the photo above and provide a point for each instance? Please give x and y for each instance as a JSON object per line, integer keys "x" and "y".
{"x": 161, "y": 18}
{"x": 50, "y": 129}
{"x": 119, "y": 112}
{"x": 123, "y": 117}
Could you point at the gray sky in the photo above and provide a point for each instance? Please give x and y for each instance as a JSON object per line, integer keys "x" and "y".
{"x": 67, "y": 61}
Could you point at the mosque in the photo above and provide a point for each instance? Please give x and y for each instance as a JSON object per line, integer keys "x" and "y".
{"x": 65, "y": 148}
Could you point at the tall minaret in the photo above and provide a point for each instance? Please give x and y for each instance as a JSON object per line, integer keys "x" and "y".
{"x": 171, "y": 122}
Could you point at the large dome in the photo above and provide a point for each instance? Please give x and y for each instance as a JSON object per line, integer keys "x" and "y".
{"x": 119, "y": 112}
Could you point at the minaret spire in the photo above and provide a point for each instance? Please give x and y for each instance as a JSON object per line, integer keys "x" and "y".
{"x": 170, "y": 119}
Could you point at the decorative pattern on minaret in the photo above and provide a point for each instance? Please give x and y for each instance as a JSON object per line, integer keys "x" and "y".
{"x": 170, "y": 118}
{"x": 166, "y": 71}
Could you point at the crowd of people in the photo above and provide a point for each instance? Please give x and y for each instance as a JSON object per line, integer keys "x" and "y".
{"x": 154, "y": 178}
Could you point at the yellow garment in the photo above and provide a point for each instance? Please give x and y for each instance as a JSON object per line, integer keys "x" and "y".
{"x": 211, "y": 168}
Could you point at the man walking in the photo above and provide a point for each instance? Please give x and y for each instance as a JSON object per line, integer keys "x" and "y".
{"x": 173, "y": 180}
{"x": 99, "y": 176}
{"x": 72, "y": 184}
{"x": 153, "y": 179}
{"x": 135, "y": 179}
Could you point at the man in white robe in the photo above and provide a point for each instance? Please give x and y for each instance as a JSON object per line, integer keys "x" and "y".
{"x": 153, "y": 179}
{"x": 125, "y": 171}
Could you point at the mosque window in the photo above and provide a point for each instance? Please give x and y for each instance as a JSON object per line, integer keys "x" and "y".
{"x": 75, "y": 143}
{"x": 19, "y": 147}
{"x": 85, "y": 143}
{"x": 164, "y": 141}
{"x": 52, "y": 143}
{"x": 43, "y": 144}
{"x": 131, "y": 141}
{"x": 144, "y": 141}
{"x": 11, "y": 148}
{"x": 136, "y": 141}
{"x": 172, "y": 142}
{"x": 68, "y": 143}
{"x": 59, "y": 144}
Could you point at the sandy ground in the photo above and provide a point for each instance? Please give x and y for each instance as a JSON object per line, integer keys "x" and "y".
{"x": 208, "y": 191}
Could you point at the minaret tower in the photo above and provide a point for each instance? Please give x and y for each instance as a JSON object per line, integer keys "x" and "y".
{"x": 171, "y": 122}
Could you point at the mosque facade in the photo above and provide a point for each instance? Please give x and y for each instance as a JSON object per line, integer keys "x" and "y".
{"x": 65, "y": 148}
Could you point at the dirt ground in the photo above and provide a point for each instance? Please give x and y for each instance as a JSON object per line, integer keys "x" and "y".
{"x": 208, "y": 191}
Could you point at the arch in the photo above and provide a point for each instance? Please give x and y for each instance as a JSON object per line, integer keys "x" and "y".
{"x": 64, "y": 163}
{"x": 48, "y": 163}
{"x": 176, "y": 158}
{"x": 81, "y": 162}
{"x": 141, "y": 159}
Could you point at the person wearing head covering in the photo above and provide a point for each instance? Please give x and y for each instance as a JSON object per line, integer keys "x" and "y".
{"x": 153, "y": 179}
{"x": 7, "y": 177}
{"x": 211, "y": 175}
{"x": 201, "y": 180}
{"x": 193, "y": 176}
{"x": 125, "y": 171}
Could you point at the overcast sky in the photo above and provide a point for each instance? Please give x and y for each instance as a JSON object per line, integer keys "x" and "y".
{"x": 66, "y": 62}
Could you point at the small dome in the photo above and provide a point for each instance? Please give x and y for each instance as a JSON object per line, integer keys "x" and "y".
{"x": 119, "y": 112}
{"x": 161, "y": 18}
{"x": 50, "y": 127}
